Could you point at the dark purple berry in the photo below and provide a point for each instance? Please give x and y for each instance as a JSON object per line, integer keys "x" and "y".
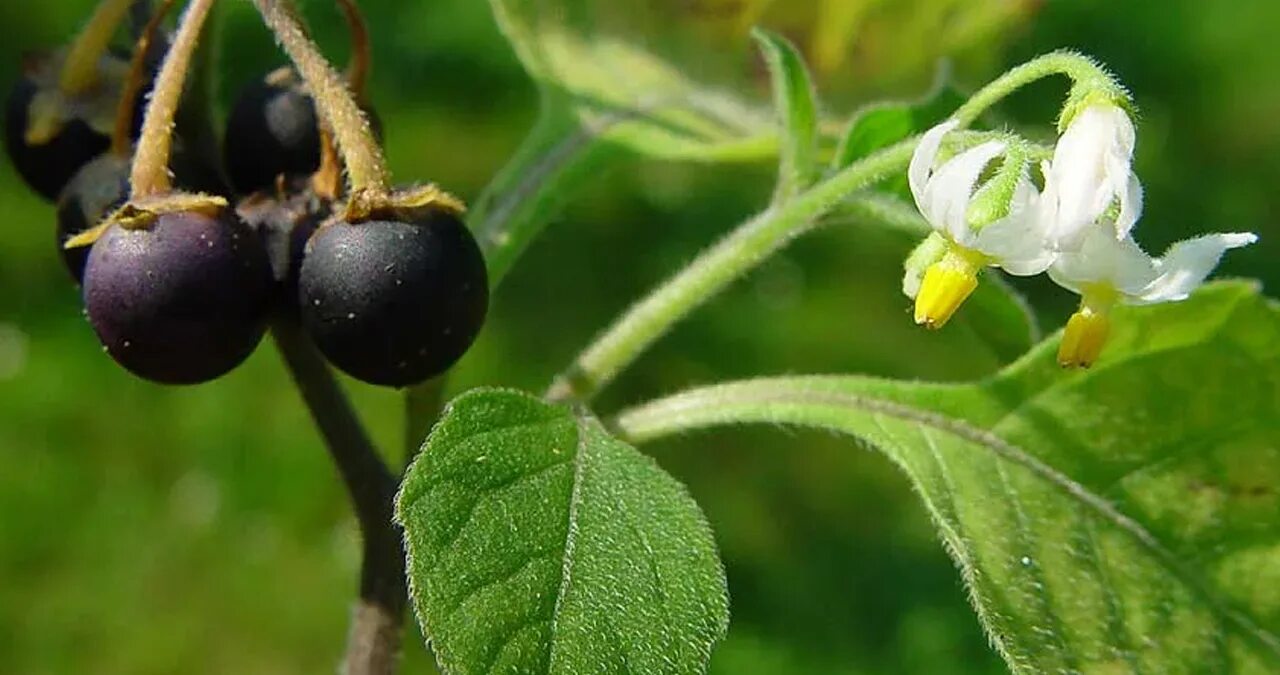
{"x": 181, "y": 302}
{"x": 273, "y": 131}
{"x": 102, "y": 185}
{"x": 47, "y": 167}
{"x": 394, "y": 303}
{"x": 97, "y": 189}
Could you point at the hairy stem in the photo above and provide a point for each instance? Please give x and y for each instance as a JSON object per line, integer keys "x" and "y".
{"x": 366, "y": 167}
{"x": 713, "y": 270}
{"x": 762, "y": 236}
{"x": 1080, "y": 68}
{"x": 149, "y": 174}
{"x": 373, "y": 643}
{"x": 80, "y": 70}
{"x": 121, "y": 141}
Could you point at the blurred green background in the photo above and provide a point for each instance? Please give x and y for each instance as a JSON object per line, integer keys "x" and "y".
{"x": 202, "y": 530}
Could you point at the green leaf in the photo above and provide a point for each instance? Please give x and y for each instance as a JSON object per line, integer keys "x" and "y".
{"x": 880, "y": 125}
{"x": 540, "y": 544}
{"x": 1124, "y": 519}
{"x": 797, "y": 110}
{"x": 595, "y": 60}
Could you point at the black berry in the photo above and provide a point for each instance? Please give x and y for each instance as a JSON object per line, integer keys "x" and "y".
{"x": 47, "y": 167}
{"x": 273, "y": 131}
{"x": 394, "y": 303}
{"x": 182, "y": 301}
{"x": 98, "y": 188}
{"x": 102, "y": 185}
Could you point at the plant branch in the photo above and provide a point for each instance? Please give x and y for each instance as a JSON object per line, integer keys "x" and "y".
{"x": 373, "y": 644}
{"x": 714, "y": 269}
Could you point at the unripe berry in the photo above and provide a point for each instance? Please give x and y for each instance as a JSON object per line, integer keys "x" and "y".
{"x": 182, "y": 301}
{"x": 394, "y": 303}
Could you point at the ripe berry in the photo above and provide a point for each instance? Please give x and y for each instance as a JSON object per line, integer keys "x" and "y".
{"x": 273, "y": 131}
{"x": 84, "y": 133}
{"x": 182, "y": 301}
{"x": 394, "y": 303}
{"x": 102, "y": 185}
{"x": 98, "y": 188}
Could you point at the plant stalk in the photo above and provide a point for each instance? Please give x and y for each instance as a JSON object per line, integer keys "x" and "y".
{"x": 373, "y": 643}
{"x": 149, "y": 175}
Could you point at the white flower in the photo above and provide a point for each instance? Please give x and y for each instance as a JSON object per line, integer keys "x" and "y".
{"x": 1090, "y": 174}
{"x": 1106, "y": 271}
{"x": 946, "y": 196}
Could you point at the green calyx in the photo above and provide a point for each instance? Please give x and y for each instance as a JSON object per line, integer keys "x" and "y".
{"x": 994, "y": 199}
{"x": 1102, "y": 90}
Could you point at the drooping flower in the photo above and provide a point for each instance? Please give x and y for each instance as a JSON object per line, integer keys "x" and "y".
{"x": 1090, "y": 177}
{"x": 994, "y": 224}
{"x": 1105, "y": 271}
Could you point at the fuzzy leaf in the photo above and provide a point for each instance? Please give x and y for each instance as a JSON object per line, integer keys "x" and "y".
{"x": 797, "y": 110}
{"x": 880, "y": 125}
{"x": 540, "y": 544}
{"x": 1124, "y": 519}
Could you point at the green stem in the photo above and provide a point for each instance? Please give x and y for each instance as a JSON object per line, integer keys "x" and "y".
{"x": 557, "y": 154}
{"x": 760, "y": 237}
{"x": 714, "y": 269}
{"x": 1081, "y": 69}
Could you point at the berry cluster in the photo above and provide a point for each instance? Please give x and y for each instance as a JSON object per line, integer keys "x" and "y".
{"x": 185, "y": 260}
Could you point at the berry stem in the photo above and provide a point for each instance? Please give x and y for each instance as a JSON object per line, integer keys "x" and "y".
{"x": 361, "y": 49}
{"x": 366, "y": 168}
{"x": 373, "y": 641}
{"x": 149, "y": 175}
{"x": 80, "y": 70}
{"x": 121, "y": 143}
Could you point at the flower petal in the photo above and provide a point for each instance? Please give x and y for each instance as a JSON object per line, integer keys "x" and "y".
{"x": 1089, "y": 171}
{"x": 1187, "y": 263}
{"x": 1017, "y": 242}
{"x": 1102, "y": 259}
{"x": 925, "y": 155}
{"x": 1130, "y": 207}
{"x": 949, "y": 190}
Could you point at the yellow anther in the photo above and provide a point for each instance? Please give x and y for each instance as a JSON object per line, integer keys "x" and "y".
{"x": 1084, "y": 337}
{"x": 946, "y": 285}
